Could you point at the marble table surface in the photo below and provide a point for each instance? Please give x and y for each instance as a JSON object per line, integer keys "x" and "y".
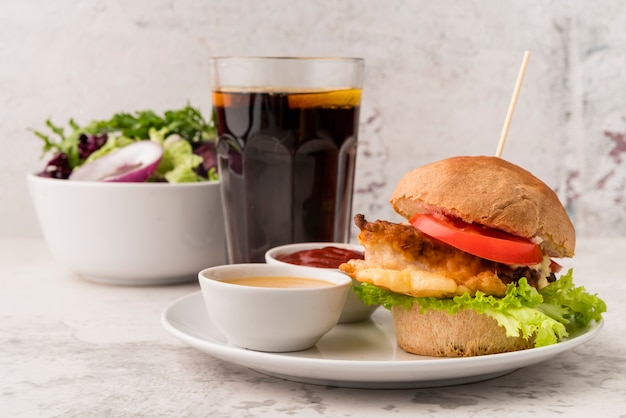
{"x": 69, "y": 347}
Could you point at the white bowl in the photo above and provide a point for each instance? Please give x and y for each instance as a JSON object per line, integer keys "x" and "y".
{"x": 131, "y": 233}
{"x": 354, "y": 310}
{"x": 274, "y": 319}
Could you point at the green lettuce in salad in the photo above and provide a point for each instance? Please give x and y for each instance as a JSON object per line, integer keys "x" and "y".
{"x": 188, "y": 142}
{"x": 551, "y": 314}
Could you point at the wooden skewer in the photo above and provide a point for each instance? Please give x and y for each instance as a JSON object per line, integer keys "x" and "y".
{"x": 509, "y": 115}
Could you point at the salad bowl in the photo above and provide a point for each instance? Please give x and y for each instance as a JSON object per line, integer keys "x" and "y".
{"x": 131, "y": 233}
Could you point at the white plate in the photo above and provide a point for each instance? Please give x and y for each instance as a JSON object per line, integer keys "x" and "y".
{"x": 359, "y": 355}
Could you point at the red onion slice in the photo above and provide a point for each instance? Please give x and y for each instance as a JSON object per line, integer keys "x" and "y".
{"x": 132, "y": 163}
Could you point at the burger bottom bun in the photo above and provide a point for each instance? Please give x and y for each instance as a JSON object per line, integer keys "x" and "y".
{"x": 464, "y": 334}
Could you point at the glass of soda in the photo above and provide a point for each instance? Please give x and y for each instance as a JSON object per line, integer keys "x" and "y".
{"x": 287, "y": 137}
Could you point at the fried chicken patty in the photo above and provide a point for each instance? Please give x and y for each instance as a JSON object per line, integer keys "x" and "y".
{"x": 400, "y": 258}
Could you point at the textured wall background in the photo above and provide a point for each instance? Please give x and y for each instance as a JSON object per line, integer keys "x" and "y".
{"x": 439, "y": 80}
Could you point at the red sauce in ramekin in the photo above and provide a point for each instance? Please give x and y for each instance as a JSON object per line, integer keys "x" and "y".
{"x": 327, "y": 257}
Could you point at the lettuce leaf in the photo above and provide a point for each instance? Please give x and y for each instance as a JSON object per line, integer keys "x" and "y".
{"x": 573, "y": 305}
{"x": 178, "y": 162}
{"x": 551, "y": 314}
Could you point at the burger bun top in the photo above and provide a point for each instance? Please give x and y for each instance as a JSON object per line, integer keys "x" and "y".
{"x": 492, "y": 192}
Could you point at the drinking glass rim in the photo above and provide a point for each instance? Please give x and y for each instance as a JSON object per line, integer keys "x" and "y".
{"x": 287, "y": 72}
{"x": 287, "y": 58}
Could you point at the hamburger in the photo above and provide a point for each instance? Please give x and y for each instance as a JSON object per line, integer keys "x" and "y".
{"x": 472, "y": 271}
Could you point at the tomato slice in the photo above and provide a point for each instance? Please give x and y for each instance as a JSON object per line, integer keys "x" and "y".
{"x": 555, "y": 267}
{"x": 480, "y": 241}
